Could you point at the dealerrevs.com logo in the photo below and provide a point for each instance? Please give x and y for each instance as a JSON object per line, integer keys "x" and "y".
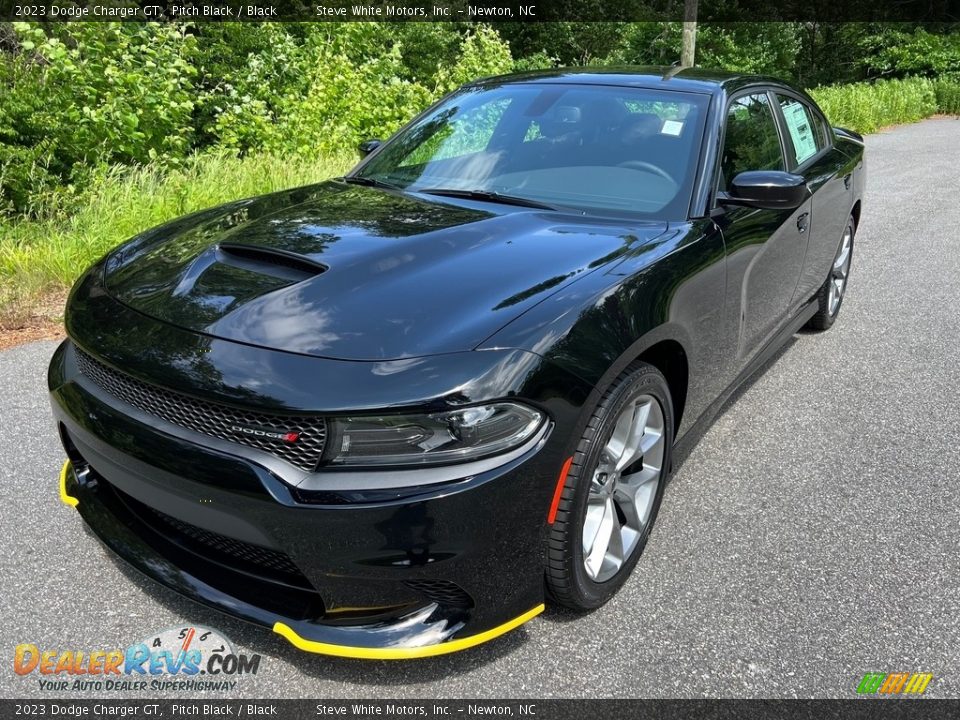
{"x": 183, "y": 658}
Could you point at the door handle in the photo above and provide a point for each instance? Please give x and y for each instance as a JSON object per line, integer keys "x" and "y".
{"x": 802, "y": 222}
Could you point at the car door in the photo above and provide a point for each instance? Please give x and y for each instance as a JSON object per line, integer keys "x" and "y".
{"x": 765, "y": 248}
{"x": 810, "y": 152}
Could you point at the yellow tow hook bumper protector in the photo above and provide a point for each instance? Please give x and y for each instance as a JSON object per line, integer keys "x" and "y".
{"x": 66, "y": 498}
{"x": 400, "y": 653}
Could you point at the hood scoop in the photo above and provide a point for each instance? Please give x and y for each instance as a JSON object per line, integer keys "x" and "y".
{"x": 219, "y": 280}
{"x": 281, "y": 264}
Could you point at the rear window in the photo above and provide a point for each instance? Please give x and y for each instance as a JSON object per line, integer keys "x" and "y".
{"x": 806, "y": 135}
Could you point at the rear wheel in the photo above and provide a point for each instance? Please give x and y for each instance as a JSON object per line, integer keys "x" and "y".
{"x": 613, "y": 490}
{"x": 830, "y": 296}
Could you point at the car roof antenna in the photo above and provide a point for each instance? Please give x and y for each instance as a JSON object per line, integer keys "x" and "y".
{"x": 675, "y": 67}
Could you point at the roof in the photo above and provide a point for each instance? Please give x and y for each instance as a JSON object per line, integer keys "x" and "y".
{"x": 649, "y": 76}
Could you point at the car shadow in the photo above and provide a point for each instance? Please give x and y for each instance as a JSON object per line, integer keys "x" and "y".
{"x": 699, "y": 431}
{"x": 756, "y": 375}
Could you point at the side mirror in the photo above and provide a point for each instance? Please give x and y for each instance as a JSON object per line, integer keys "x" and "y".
{"x": 767, "y": 190}
{"x": 368, "y": 146}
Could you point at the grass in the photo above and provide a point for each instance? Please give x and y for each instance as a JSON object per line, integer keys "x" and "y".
{"x": 42, "y": 257}
{"x": 867, "y": 107}
{"x": 948, "y": 95}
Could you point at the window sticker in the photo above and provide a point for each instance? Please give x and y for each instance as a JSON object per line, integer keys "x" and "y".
{"x": 801, "y": 132}
{"x": 671, "y": 127}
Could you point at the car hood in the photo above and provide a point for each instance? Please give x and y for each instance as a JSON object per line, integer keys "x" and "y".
{"x": 351, "y": 272}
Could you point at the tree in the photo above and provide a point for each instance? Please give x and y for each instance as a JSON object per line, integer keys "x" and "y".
{"x": 689, "y": 33}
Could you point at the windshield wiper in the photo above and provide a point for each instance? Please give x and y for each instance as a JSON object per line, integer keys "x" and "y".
{"x": 487, "y": 195}
{"x": 367, "y": 182}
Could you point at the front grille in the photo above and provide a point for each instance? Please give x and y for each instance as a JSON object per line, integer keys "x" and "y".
{"x": 221, "y": 421}
{"x": 259, "y": 576}
{"x": 241, "y": 552}
{"x": 442, "y": 592}
{"x": 252, "y": 559}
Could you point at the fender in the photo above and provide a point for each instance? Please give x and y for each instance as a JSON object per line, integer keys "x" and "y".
{"x": 673, "y": 288}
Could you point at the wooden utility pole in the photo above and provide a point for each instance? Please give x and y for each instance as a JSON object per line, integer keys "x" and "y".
{"x": 689, "y": 32}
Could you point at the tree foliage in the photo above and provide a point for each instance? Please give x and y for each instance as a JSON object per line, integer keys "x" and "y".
{"x": 79, "y": 94}
{"x": 77, "y": 97}
{"x": 890, "y": 52}
{"x": 765, "y": 48}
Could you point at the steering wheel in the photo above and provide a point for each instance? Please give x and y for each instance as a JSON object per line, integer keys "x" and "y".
{"x": 649, "y": 167}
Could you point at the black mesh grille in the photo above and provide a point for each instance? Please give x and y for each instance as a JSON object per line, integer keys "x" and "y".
{"x": 261, "y": 576}
{"x": 222, "y": 421}
{"x": 243, "y": 552}
{"x": 442, "y": 592}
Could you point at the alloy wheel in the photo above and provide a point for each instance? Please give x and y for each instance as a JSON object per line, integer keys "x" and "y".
{"x": 839, "y": 272}
{"x": 623, "y": 488}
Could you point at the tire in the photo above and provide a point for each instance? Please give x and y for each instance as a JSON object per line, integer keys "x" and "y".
{"x": 596, "y": 494}
{"x": 828, "y": 301}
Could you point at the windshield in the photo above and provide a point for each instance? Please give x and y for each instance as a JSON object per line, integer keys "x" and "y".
{"x": 576, "y": 146}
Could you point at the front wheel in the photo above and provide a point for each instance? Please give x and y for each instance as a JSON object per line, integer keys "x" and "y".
{"x": 830, "y": 296}
{"x": 612, "y": 491}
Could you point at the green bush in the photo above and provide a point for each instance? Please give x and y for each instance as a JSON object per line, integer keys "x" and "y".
{"x": 537, "y": 61}
{"x": 244, "y": 69}
{"x": 75, "y": 96}
{"x": 29, "y": 166}
{"x": 314, "y": 88}
{"x": 894, "y": 53}
{"x": 948, "y": 95}
{"x": 757, "y": 47}
{"x": 343, "y": 101}
{"x": 90, "y": 93}
{"x": 482, "y": 53}
{"x": 118, "y": 92}
{"x": 867, "y": 107}
{"x": 347, "y": 101}
{"x": 564, "y": 43}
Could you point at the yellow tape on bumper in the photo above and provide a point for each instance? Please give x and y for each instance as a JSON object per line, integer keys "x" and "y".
{"x": 403, "y": 653}
{"x": 64, "y": 497}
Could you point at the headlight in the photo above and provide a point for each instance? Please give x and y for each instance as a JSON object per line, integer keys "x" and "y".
{"x": 449, "y": 437}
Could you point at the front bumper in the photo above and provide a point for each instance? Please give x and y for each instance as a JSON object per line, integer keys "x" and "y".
{"x": 397, "y": 638}
{"x": 438, "y": 571}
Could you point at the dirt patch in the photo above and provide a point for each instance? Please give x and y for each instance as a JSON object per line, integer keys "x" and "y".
{"x": 41, "y": 320}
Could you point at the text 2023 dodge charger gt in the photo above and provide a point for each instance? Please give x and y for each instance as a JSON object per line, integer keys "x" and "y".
{"x": 391, "y": 414}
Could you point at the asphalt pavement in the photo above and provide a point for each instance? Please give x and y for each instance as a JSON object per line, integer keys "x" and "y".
{"x": 812, "y": 536}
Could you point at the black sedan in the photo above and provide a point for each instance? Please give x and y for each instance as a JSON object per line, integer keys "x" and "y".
{"x": 391, "y": 414}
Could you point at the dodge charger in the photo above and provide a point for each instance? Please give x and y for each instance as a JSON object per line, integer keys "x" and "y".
{"x": 394, "y": 414}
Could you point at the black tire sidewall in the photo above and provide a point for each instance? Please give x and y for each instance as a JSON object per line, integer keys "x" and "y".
{"x": 642, "y": 380}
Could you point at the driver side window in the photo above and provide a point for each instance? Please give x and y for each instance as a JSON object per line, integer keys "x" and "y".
{"x": 751, "y": 141}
